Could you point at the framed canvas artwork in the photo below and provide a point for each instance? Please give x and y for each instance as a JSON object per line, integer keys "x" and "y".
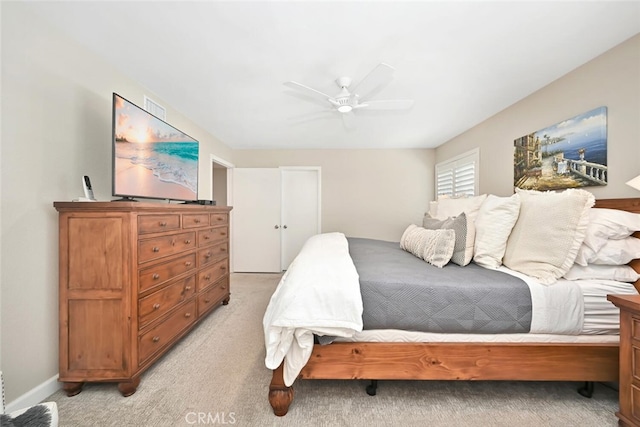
{"x": 569, "y": 154}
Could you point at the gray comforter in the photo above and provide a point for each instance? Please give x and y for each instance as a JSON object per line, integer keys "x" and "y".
{"x": 400, "y": 291}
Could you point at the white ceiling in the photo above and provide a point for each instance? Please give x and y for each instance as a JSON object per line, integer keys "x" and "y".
{"x": 223, "y": 64}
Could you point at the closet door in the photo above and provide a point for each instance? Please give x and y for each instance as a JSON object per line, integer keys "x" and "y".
{"x": 256, "y": 220}
{"x": 300, "y": 209}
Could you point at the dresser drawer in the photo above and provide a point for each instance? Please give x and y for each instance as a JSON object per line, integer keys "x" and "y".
{"x": 161, "y": 302}
{"x": 195, "y": 220}
{"x": 159, "y": 247}
{"x": 160, "y": 273}
{"x": 158, "y": 337}
{"x": 212, "y": 253}
{"x": 210, "y": 275}
{"x": 212, "y": 297}
{"x": 219, "y": 219}
{"x": 158, "y": 223}
{"x": 212, "y": 235}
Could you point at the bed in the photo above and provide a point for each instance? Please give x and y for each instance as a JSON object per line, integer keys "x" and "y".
{"x": 594, "y": 359}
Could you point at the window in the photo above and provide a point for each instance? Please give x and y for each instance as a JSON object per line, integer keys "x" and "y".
{"x": 458, "y": 176}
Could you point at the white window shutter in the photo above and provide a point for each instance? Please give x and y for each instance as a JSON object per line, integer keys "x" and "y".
{"x": 458, "y": 176}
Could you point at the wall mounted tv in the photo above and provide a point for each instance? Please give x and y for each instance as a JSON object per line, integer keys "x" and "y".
{"x": 151, "y": 158}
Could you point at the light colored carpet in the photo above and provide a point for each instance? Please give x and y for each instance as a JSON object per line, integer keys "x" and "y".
{"x": 216, "y": 376}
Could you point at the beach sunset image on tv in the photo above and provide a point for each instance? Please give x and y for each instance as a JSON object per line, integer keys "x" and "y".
{"x": 152, "y": 159}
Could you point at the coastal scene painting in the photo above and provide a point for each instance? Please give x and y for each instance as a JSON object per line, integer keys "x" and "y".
{"x": 569, "y": 154}
{"x": 152, "y": 158}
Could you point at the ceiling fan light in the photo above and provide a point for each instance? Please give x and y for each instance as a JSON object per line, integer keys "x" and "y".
{"x": 345, "y": 108}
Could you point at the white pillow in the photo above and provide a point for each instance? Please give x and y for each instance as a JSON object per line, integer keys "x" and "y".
{"x": 464, "y": 235}
{"x": 620, "y": 273}
{"x": 605, "y": 224}
{"x": 546, "y": 237}
{"x": 613, "y": 252}
{"x": 493, "y": 224}
{"x": 433, "y": 246}
{"x": 433, "y": 209}
{"x": 450, "y": 207}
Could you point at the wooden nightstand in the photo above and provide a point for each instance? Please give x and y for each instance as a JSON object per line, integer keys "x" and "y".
{"x": 629, "y": 413}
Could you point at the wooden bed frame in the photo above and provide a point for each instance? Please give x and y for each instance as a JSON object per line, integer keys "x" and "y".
{"x": 459, "y": 361}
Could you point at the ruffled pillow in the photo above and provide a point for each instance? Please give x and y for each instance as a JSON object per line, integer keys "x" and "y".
{"x": 546, "y": 237}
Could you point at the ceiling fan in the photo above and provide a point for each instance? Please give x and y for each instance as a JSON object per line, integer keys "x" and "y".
{"x": 347, "y": 100}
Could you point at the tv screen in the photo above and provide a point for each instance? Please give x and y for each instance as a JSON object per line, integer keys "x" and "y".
{"x": 151, "y": 158}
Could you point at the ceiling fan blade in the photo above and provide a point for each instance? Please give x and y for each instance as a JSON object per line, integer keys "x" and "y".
{"x": 388, "y": 104}
{"x": 298, "y": 86}
{"x": 374, "y": 81}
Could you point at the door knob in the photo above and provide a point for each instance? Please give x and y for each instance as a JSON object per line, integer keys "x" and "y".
{"x": 284, "y": 226}
{"x": 276, "y": 227}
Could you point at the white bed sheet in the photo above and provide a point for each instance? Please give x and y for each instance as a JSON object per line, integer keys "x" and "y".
{"x": 395, "y": 335}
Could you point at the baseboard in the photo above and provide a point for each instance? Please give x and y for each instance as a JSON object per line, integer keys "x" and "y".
{"x": 35, "y": 395}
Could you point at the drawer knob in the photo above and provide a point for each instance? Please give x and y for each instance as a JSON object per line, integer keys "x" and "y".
{"x": 187, "y": 315}
{"x": 208, "y": 255}
{"x": 207, "y": 301}
{"x": 155, "y": 276}
{"x": 223, "y": 234}
{"x": 163, "y": 224}
{"x": 155, "y": 339}
{"x": 156, "y": 249}
{"x": 220, "y": 218}
{"x": 207, "y": 277}
{"x": 187, "y": 241}
{"x": 188, "y": 263}
{"x": 156, "y": 306}
{"x": 197, "y": 220}
{"x": 206, "y": 237}
{"x": 223, "y": 268}
{"x": 187, "y": 288}
{"x": 223, "y": 287}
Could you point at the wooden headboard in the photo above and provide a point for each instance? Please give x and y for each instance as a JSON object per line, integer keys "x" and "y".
{"x": 631, "y": 205}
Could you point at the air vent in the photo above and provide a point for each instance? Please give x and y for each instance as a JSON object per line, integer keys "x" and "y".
{"x": 154, "y": 108}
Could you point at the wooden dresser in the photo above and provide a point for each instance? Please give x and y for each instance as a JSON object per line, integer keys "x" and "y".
{"x": 629, "y": 413}
{"x": 134, "y": 278}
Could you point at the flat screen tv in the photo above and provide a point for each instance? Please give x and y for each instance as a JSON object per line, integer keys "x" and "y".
{"x": 151, "y": 158}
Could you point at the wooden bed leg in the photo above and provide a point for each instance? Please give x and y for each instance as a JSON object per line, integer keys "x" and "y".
{"x": 587, "y": 389}
{"x": 280, "y": 396}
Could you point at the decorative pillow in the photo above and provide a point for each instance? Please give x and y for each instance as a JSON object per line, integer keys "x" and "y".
{"x": 605, "y": 224}
{"x": 433, "y": 209}
{"x": 451, "y": 207}
{"x": 546, "y": 237}
{"x": 493, "y": 224}
{"x": 620, "y": 273}
{"x": 433, "y": 246}
{"x": 613, "y": 252}
{"x": 464, "y": 236}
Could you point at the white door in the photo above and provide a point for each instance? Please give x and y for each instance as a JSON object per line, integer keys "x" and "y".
{"x": 300, "y": 209}
{"x": 256, "y": 220}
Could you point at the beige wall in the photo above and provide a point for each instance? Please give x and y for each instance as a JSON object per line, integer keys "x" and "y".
{"x": 56, "y": 127}
{"x": 611, "y": 80}
{"x": 365, "y": 193}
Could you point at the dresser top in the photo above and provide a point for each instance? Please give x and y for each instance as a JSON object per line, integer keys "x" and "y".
{"x": 117, "y": 206}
